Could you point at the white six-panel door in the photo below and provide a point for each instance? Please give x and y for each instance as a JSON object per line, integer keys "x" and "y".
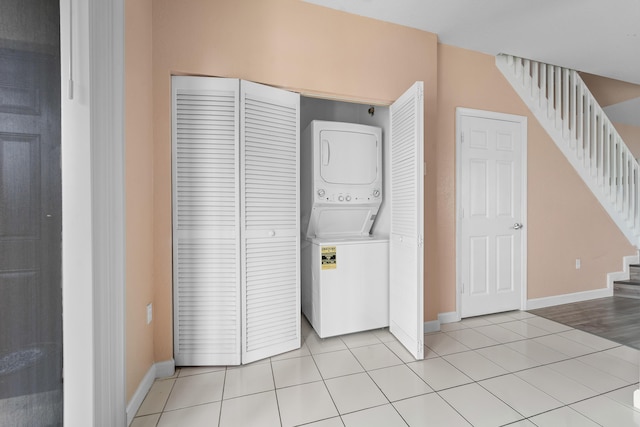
{"x": 206, "y": 221}
{"x": 491, "y": 214}
{"x": 235, "y": 221}
{"x": 406, "y": 244}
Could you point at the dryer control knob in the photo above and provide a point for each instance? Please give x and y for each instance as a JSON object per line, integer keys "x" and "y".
{"x": 348, "y": 198}
{"x": 376, "y": 193}
{"x": 340, "y": 198}
{"x": 321, "y": 192}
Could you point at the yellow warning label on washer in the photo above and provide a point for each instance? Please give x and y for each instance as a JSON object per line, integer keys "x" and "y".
{"x": 328, "y": 257}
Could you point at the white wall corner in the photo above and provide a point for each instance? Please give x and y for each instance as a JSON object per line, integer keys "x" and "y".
{"x": 157, "y": 370}
{"x": 535, "y": 303}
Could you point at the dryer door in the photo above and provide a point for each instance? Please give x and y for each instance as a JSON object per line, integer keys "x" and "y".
{"x": 349, "y": 158}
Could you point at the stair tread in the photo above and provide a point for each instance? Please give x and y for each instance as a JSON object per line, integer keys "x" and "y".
{"x": 627, "y": 282}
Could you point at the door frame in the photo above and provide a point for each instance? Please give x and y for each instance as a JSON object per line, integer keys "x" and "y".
{"x": 522, "y": 121}
{"x": 93, "y": 206}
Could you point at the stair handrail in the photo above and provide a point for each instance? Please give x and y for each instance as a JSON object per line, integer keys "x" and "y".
{"x": 567, "y": 109}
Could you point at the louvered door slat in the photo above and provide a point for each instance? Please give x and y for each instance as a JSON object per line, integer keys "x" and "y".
{"x": 206, "y": 229}
{"x": 270, "y": 221}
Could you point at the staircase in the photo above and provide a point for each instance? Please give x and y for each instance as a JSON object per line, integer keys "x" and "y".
{"x": 629, "y": 288}
{"x": 569, "y": 113}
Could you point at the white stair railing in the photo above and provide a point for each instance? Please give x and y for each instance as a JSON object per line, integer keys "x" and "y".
{"x": 569, "y": 113}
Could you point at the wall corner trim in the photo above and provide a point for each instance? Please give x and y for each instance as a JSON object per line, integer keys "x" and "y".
{"x": 449, "y": 317}
{"x": 157, "y": 370}
{"x": 165, "y": 369}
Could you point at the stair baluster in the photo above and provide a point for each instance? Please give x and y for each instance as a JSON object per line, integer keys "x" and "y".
{"x": 569, "y": 113}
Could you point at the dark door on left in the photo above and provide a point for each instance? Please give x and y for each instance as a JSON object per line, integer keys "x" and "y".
{"x": 30, "y": 238}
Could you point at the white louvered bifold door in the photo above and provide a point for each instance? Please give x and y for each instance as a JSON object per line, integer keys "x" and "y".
{"x": 206, "y": 221}
{"x": 270, "y": 234}
{"x": 406, "y": 241}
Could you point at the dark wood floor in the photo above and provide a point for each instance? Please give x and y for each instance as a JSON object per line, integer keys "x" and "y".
{"x": 613, "y": 318}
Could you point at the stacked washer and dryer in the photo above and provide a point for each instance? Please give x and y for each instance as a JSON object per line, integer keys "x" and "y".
{"x": 345, "y": 269}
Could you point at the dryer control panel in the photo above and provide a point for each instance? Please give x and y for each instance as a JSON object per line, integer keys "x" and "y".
{"x": 354, "y": 197}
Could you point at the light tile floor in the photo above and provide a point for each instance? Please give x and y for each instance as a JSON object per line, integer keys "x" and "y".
{"x": 506, "y": 369}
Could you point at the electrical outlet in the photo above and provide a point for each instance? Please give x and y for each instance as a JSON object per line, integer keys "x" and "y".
{"x": 577, "y": 263}
{"x": 149, "y": 313}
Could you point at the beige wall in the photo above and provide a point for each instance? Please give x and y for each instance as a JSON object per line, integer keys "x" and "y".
{"x": 565, "y": 221}
{"x": 631, "y": 137}
{"x": 285, "y": 43}
{"x": 139, "y": 190}
{"x": 313, "y": 50}
{"x": 610, "y": 91}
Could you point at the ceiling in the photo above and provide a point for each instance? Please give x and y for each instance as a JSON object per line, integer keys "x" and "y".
{"x": 600, "y": 37}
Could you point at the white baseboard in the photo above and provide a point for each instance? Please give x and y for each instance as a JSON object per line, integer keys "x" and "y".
{"x": 449, "y": 317}
{"x": 532, "y": 304}
{"x": 165, "y": 369}
{"x": 157, "y": 370}
{"x": 434, "y": 325}
{"x": 431, "y": 326}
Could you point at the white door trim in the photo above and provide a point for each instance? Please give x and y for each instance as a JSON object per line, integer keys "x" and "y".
{"x": 522, "y": 120}
{"x": 106, "y": 29}
{"x": 93, "y": 232}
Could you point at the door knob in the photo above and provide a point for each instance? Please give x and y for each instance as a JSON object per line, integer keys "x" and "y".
{"x": 272, "y": 233}
{"x": 517, "y": 226}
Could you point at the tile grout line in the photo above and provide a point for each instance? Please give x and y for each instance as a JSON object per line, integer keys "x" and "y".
{"x": 442, "y": 357}
{"x": 497, "y": 376}
{"x": 551, "y": 363}
{"x": 275, "y": 391}
{"x": 367, "y": 371}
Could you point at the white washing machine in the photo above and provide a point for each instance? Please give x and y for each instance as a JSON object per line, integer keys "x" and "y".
{"x": 345, "y": 284}
{"x": 345, "y": 270}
